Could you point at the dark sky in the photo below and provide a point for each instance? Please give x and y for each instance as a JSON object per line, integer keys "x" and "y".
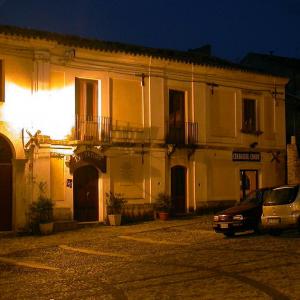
{"x": 232, "y": 27}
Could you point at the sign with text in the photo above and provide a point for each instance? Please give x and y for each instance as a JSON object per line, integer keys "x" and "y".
{"x": 89, "y": 156}
{"x": 246, "y": 156}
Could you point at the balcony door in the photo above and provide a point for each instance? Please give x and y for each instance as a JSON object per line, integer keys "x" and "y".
{"x": 176, "y": 117}
{"x": 5, "y": 186}
{"x": 86, "y": 109}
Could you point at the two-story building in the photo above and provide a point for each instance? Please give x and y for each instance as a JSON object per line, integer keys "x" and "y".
{"x": 88, "y": 117}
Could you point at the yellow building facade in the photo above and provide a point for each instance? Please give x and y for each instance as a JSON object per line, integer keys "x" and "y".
{"x": 88, "y": 117}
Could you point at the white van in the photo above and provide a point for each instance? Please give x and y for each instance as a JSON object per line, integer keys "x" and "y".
{"x": 281, "y": 209}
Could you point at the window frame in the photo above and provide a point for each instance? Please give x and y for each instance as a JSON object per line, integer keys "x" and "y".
{"x": 82, "y": 107}
{"x": 86, "y": 109}
{"x": 252, "y": 128}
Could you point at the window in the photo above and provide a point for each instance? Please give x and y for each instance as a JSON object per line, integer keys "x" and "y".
{"x": 282, "y": 195}
{"x": 176, "y": 108}
{"x": 86, "y": 109}
{"x": 249, "y": 116}
{"x": 2, "y": 84}
{"x": 176, "y": 117}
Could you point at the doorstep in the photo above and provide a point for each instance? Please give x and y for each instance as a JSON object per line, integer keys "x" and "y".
{"x": 60, "y": 226}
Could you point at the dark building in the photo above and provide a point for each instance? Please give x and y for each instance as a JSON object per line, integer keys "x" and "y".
{"x": 288, "y": 67}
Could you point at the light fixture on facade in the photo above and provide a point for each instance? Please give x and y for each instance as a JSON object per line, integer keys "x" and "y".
{"x": 253, "y": 145}
{"x": 212, "y": 85}
{"x": 275, "y": 93}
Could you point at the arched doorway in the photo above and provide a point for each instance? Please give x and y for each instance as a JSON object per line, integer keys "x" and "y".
{"x": 5, "y": 185}
{"x": 178, "y": 189}
{"x": 85, "y": 194}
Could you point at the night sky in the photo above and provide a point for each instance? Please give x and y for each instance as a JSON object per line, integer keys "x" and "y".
{"x": 232, "y": 27}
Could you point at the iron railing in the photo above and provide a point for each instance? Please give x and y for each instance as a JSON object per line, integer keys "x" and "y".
{"x": 103, "y": 130}
{"x": 92, "y": 129}
{"x": 182, "y": 133}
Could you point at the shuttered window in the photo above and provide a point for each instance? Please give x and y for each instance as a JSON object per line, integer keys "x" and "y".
{"x": 249, "y": 115}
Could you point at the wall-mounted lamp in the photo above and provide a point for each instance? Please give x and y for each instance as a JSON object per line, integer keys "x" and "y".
{"x": 143, "y": 79}
{"x": 212, "y": 85}
{"x": 253, "y": 145}
{"x": 275, "y": 93}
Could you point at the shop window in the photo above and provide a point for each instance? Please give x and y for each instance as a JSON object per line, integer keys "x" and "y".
{"x": 2, "y": 84}
{"x": 249, "y": 116}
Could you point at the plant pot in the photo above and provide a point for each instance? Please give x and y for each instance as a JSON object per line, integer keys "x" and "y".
{"x": 163, "y": 215}
{"x": 115, "y": 220}
{"x": 46, "y": 228}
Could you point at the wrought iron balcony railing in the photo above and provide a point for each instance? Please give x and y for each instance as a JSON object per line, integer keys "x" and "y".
{"x": 182, "y": 133}
{"x": 128, "y": 132}
{"x": 103, "y": 130}
{"x": 93, "y": 129}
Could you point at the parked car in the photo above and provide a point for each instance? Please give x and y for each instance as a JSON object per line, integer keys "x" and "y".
{"x": 246, "y": 215}
{"x": 281, "y": 209}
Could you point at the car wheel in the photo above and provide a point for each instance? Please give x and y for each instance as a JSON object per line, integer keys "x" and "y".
{"x": 229, "y": 233}
{"x": 274, "y": 232}
{"x": 257, "y": 228}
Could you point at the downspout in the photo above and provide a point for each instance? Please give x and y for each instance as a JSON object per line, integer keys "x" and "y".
{"x": 149, "y": 97}
{"x": 150, "y": 129}
{"x": 193, "y": 120}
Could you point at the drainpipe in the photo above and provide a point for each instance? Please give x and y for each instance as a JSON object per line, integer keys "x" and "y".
{"x": 149, "y": 96}
{"x": 149, "y": 121}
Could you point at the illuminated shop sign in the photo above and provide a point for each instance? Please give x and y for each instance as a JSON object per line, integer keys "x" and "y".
{"x": 246, "y": 156}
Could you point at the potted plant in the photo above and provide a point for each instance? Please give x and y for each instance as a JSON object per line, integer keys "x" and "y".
{"x": 163, "y": 205}
{"x": 115, "y": 203}
{"x": 41, "y": 213}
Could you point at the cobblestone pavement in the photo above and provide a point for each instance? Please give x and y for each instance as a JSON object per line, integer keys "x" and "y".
{"x": 176, "y": 259}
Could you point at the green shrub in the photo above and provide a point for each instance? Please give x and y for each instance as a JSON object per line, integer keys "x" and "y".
{"x": 163, "y": 203}
{"x": 40, "y": 211}
{"x": 115, "y": 203}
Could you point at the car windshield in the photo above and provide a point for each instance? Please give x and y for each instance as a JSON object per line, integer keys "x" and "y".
{"x": 254, "y": 197}
{"x": 283, "y": 195}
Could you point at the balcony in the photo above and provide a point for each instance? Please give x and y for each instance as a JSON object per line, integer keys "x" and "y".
{"x": 93, "y": 129}
{"x": 128, "y": 132}
{"x": 182, "y": 134}
{"x": 103, "y": 130}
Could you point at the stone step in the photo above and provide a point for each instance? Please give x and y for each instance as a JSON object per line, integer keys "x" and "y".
{"x": 89, "y": 224}
{"x": 65, "y": 225}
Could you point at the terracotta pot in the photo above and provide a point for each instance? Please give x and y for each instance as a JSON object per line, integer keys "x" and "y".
{"x": 115, "y": 220}
{"x": 46, "y": 228}
{"x": 163, "y": 215}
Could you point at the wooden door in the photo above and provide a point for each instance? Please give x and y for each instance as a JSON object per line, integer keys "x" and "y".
{"x": 85, "y": 194}
{"x": 178, "y": 189}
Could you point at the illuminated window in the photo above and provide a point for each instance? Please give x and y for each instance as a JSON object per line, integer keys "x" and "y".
{"x": 249, "y": 116}
{"x": 86, "y": 109}
{"x": 2, "y": 81}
